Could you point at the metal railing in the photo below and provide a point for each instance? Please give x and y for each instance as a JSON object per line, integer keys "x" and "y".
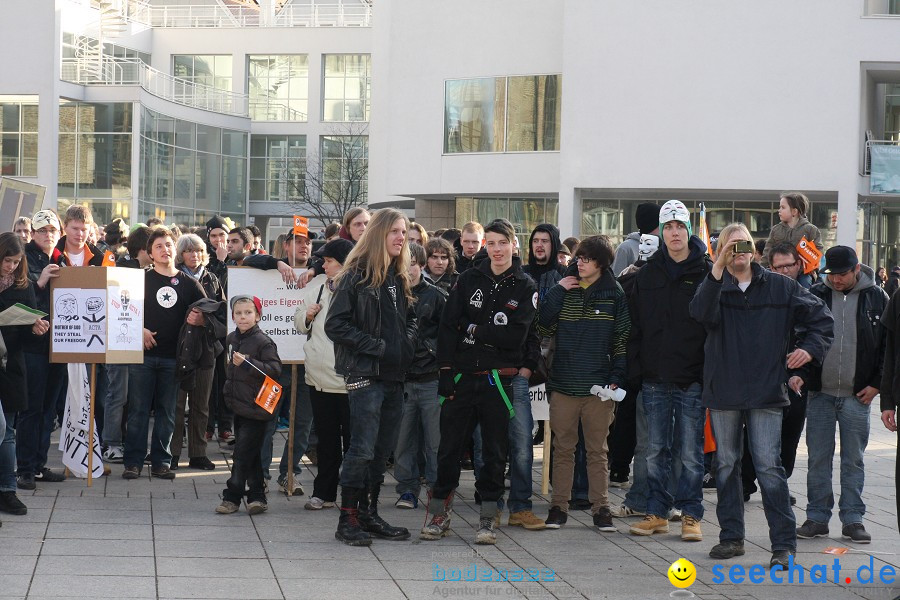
{"x": 881, "y": 9}
{"x": 133, "y": 71}
{"x": 867, "y": 166}
{"x": 337, "y": 14}
{"x": 263, "y": 110}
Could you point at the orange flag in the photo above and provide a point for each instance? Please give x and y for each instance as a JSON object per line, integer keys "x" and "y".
{"x": 269, "y": 395}
{"x": 703, "y": 233}
{"x": 809, "y": 255}
{"x": 709, "y": 440}
{"x": 301, "y": 226}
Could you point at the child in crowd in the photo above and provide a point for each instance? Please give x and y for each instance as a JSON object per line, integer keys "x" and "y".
{"x": 251, "y": 356}
{"x": 794, "y": 226}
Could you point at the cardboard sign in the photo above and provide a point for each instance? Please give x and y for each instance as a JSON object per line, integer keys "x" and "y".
{"x": 301, "y": 226}
{"x": 269, "y": 395}
{"x": 809, "y": 255}
{"x": 279, "y": 303}
{"x": 97, "y": 315}
{"x": 540, "y": 402}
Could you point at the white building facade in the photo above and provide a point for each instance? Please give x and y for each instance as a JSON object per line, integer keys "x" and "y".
{"x": 727, "y": 104}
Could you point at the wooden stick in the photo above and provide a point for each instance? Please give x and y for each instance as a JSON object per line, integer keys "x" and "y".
{"x": 545, "y": 466}
{"x": 290, "y": 473}
{"x": 90, "y": 475}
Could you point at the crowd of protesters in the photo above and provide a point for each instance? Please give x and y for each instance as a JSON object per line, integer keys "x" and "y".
{"x": 671, "y": 367}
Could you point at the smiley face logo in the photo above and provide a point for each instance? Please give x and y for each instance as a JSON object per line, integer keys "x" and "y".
{"x": 682, "y": 573}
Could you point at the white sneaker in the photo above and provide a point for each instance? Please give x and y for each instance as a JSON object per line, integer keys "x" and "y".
{"x": 674, "y": 514}
{"x": 315, "y": 503}
{"x": 114, "y": 454}
{"x": 625, "y": 511}
{"x": 297, "y": 490}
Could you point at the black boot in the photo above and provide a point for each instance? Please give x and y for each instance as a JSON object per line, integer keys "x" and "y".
{"x": 349, "y": 530}
{"x": 373, "y": 523}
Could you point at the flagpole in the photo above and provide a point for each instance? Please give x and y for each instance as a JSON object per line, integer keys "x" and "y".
{"x": 90, "y": 465}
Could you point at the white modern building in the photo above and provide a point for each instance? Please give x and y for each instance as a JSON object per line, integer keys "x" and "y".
{"x": 574, "y": 111}
{"x": 567, "y": 111}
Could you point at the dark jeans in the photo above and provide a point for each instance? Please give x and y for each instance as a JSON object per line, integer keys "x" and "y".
{"x": 150, "y": 385}
{"x": 35, "y": 424}
{"x": 246, "y": 467}
{"x": 623, "y": 437}
{"x": 374, "y": 424}
{"x": 7, "y": 451}
{"x": 791, "y": 430}
{"x": 420, "y": 427}
{"x": 331, "y": 413}
{"x": 764, "y": 431}
{"x": 303, "y": 418}
{"x": 116, "y": 399}
{"x": 476, "y": 399}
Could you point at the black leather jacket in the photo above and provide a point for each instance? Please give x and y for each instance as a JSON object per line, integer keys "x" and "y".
{"x": 354, "y": 325}
{"x": 430, "y": 301}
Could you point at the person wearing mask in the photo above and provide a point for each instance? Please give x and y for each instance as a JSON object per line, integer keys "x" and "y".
{"x": 327, "y": 390}
{"x": 421, "y": 408}
{"x": 666, "y": 352}
{"x": 481, "y": 346}
{"x": 46, "y": 380}
{"x": 841, "y": 392}
{"x": 749, "y": 315}
{"x": 373, "y": 326}
{"x": 645, "y": 216}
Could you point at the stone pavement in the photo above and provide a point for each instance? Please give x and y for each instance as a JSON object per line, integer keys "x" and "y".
{"x": 161, "y": 539}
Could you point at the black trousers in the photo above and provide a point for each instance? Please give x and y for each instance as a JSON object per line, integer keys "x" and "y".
{"x": 331, "y": 412}
{"x": 791, "y": 430}
{"x": 477, "y": 400}
{"x": 218, "y": 410}
{"x": 623, "y": 436}
{"x": 246, "y": 466}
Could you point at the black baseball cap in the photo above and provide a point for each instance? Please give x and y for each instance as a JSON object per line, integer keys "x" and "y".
{"x": 338, "y": 249}
{"x": 840, "y": 259}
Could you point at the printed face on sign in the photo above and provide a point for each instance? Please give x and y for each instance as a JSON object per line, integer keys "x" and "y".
{"x": 67, "y": 308}
{"x": 125, "y": 297}
{"x": 166, "y": 297}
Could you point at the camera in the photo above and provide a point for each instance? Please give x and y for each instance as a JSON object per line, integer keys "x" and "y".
{"x": 743, "y": 248}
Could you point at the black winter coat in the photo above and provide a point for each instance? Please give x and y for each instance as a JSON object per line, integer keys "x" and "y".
{"x": 242, "y": 383}
{"x": 37, "y": 262}
{"x": 198, "y": 346}
{"x": 354, "y": 325}
{"x": 13, "y": 380}
{"x": 748, "y": 337}
{"x": 430, "y": 301}
{"x": 666, "y": 344}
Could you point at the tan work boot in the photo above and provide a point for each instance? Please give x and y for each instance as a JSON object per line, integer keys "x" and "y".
{"x": 690, "y": 529}
{"x": 649, "y": 525}
{"x": 526, "y": 519}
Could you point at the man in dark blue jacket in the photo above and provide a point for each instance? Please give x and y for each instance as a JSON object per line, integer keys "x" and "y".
{"x": 749, "y": 315}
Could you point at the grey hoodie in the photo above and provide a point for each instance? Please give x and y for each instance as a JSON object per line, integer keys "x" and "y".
{"x": 839, "y": 366}
{"x": 627, "y": 252}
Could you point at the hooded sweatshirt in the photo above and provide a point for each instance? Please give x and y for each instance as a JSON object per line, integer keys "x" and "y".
{"x": 535, "y": 270}
{"x": 627, "y": 252}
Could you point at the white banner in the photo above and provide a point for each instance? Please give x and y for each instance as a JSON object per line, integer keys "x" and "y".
{"x": 79, "y": 321}
{"x": 540, "y": 403}
{"x": 73, "y": 439}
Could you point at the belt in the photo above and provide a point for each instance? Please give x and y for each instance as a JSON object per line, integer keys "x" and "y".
{"x": 507, "y": 372}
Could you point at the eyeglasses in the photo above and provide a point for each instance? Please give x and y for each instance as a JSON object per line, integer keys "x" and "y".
{"x": 584, "y": 259}
{"x": 785, "y": 268}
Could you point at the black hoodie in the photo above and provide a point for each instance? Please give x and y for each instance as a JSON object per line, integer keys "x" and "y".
{"x": 535, "y": 270}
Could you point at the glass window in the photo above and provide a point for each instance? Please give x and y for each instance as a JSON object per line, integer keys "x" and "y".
{"x": 534, "y": 109}
{"x": 474, "y": 115}
{"x": 345, "y": 164}
{"x": 602, "y": 217}
{"x": 277, "y": 167}
{"x": 212, "y": 70}
{"x": 18, "y": 140}
{"x": 278, "y": 87}
{"x": 208, "y": 180}
{"x": 346, "y": 87}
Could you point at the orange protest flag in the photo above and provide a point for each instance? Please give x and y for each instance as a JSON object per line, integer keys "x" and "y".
{"x": 109, "y": 259}
{"x": 301, "y": 226}
{"x": 269, "y": 395}
{"x": 709, "y": 440}
{"x": 809, "y": 255}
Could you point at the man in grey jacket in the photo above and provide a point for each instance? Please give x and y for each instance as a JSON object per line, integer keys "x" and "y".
{"x": 841, "y": 393}
{"x": 749, "y": 314}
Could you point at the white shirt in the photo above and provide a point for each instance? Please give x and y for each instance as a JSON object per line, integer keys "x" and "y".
{"x": 77, "y": 260}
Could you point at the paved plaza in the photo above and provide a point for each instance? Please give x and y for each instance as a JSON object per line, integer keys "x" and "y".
{"x": 161, "y": 539}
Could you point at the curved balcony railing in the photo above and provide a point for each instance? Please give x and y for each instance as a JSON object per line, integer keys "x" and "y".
{"x": 336, "y": 14}
{"x": 133, "y": 71}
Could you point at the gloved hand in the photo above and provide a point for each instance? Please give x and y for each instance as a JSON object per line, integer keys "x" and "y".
{"x": 446, "y": 385}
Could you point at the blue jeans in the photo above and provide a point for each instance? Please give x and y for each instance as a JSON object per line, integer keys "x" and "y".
{"x": 637, "y": 496}
{"x": 420, "y": 408}
{"x": 669, "y": 408}
{"x": 35, "y": 424}
{"x": 116, "y": 398}
{"x": 150, "y": 385}
{"x": 374, "y": 424}
{"x": 8, "y": 452}
{"x": 302, "y": 424}
{"x": 823, "y": 412}
{"x": 764, "y": 431}
{"x": 521, "y": 450}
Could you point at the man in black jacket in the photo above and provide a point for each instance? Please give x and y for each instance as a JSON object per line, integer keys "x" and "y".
{"x": 749, "y": 315}
{"x": 481, "y": 346}
{"x": 841, "y": 392}
{"x": 666, "y": 354}
{"x": 373, "y": 326}
{"x": 890, "y": 382}
{"x": 421, "y": 409}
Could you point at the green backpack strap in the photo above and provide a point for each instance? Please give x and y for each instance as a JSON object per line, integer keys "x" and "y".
{"x": 455, "y": 380}
{"x": 509, "y": 406}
